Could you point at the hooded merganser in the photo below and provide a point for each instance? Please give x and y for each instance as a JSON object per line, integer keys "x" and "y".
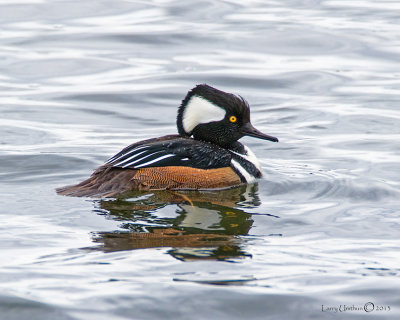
{"x": 212, "y": 159}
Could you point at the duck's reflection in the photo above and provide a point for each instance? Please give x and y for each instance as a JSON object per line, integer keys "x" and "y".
{"x": 196, "y": 225}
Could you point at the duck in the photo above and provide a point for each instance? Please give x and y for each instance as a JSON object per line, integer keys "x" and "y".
{"x": 204, "y": 155}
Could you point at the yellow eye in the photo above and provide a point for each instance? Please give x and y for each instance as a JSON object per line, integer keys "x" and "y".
{"x": 232, "y": 119}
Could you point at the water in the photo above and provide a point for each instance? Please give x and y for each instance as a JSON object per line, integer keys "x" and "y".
{"x": 80, "y": 80}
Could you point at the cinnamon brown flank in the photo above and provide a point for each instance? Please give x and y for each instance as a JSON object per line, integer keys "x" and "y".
{"x": 109, "y": 181}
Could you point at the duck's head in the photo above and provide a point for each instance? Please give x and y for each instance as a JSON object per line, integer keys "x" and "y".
{"x": 216, "y": 116}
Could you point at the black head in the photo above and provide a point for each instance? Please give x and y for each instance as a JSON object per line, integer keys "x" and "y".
{"x": 216, "y": 116}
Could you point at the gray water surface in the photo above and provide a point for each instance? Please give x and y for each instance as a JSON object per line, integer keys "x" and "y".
{"x": 80, "y": 80}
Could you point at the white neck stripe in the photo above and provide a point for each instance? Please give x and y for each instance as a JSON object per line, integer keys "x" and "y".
{"x": 248, "y": 177}
{"x": 249, "y": 156}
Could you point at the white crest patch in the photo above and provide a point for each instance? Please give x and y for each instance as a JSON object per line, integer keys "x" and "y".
{"x": 199, "y": 110}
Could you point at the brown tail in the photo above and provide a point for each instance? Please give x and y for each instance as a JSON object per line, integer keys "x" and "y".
{"x": 104, "y": 182}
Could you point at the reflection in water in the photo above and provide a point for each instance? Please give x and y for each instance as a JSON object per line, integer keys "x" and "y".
{"x": 203, "y": 226}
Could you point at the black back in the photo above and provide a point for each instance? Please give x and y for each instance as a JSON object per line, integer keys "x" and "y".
{"x": 172, "y": 150}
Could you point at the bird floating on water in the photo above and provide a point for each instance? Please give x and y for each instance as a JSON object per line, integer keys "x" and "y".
{"x": 206, "y": 154}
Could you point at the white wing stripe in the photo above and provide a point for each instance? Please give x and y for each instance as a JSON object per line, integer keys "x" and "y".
{"x": 140, "y": 159}
{"x": 115, "y": 158}
{"x": 130, "y": 158}
{"x": 155, "y": 160}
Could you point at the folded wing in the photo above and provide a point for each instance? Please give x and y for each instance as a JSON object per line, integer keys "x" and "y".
{"x": 184, "y": 152}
